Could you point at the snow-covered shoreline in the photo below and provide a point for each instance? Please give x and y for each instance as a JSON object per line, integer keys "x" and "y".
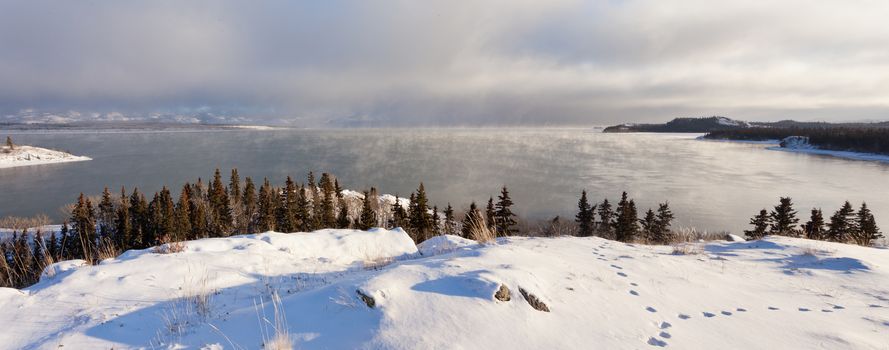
{"x": 775, "y": 146}
{"x": 30, "y": 155}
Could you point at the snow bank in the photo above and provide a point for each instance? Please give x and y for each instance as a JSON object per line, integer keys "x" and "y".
{"x": 444, "y": 244}
{"x": 776, "y": 293}
{"x": 29, "y": 155}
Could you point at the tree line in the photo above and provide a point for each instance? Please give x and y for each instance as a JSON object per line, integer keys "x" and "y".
{"x": 219, "y": 209}
{"x": 622, "y": 223}
{"x": 844, "y": 226}
{"x": 857, "y": 139}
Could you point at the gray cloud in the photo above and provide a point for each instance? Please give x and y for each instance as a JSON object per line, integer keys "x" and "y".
{"x": 450, "y": 62}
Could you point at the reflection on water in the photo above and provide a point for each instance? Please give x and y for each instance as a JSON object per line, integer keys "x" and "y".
{"x": 710, "y": 185}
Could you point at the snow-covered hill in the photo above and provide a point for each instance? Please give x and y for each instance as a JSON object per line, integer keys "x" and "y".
{"x": 778, "y": 293}
{"x": 30, "y": 155}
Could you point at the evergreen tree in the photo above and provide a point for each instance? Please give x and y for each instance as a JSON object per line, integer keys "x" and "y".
{"x": 248, "y": 215}
{"x": 52, "y": 247}
{"x": 337, "y": 189}
{"x": 814, "y": 228}
{"x": 490, "y": 218}
{"x": 663, "y": 233}
{"x": 287, "y": 221}
{"x": 83, "y": 219}
{"x": 585, "y": 217}
{"x": 368, "y": 217}
{"x": 106, "y": 217}
{"x": 784, "y": 218}
{"x": 866, "y": 227}
{"x": 649, "y": 226}
{"x": 627, "y": 225}
{"x": 606, "y": 215}
{"x": 503, "y": 215}
{"x": 139, "y": 218}
{"x": 450, "y": 225}
{"x": 267, "y": 199}
{"x": 183, "y": 216}
{"x": 328, "y": 194}
{"x": 200, "y": 211}
{"x": 472, "y": 217}
{"x": 234, "y": 187}
{"x": 760, "y": 224}
{"x": 124, "y": 224}
{"x": 38, "y": 255}
{"x": 420, "y": 220}
{"x": 342, "y": 219}
{"x": 842, "y": 224}
{"x": 220, "y": 211}
{"x": 399, "y": 215}
{"x": 436, "y": 222}
{"x": 303, "y": 210}
{"x": 316, "y": 215}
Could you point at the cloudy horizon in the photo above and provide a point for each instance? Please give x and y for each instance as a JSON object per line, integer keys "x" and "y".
{"x": 561, "y": 62}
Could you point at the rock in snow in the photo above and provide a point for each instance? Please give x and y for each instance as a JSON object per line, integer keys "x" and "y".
{"x": 221, "y": 294}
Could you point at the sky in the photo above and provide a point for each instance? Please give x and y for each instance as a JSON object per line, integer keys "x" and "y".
{"x": 451, "y": 62}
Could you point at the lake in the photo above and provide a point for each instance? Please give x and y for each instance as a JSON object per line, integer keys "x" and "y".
{"x": 710, "y": 185}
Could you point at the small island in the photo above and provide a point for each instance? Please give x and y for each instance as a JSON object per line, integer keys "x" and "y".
{"x": 12, "y": 155}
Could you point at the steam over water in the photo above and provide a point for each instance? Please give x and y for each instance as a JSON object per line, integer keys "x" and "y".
{"x": 710, "y": 185}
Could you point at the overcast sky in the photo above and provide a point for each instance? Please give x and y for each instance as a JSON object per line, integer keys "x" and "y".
{"x": 450, "y": 62}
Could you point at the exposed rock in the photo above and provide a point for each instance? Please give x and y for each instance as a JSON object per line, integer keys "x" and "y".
{"x": 367, "y": 299}
{"x": 532, "y": 300}
{"x": 502, "y": 294}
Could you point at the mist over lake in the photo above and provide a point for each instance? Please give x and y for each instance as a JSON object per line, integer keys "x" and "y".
{"x": 710, "y": 185}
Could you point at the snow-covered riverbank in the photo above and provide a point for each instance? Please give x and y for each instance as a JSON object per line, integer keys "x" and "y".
{"x": 30, "y": 155}
{"x": 346, "y": 289}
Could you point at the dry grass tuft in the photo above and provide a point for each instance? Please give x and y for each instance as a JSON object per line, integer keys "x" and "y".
{"x": 170, "y": 248}
{"x": 687, "y": 249}
{"x": 480, "y": 232}
{"x": 278, "y": 336}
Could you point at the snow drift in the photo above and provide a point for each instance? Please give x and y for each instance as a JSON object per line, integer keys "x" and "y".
{"x": 775, "y": 293}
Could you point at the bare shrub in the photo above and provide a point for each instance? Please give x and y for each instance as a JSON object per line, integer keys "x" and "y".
{"x": 19, "y": 223}
{"x": 170, "y": 248}
{"x": 687, "y": 249}
{"x": 814, "y": 251}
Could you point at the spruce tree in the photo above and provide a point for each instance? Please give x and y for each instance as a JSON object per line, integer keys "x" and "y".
{"x": 606, "y": 217}
{"x": 436, "y": 222}
{"x": 106, "y": 217}
{"x": 83, "y": 219}
{"x": 287, "y": 221}
{"x": 200, "y": 211}
{"x": 649, "y": 227}
{"x": 123, "y": 223}
{"x": 182, "y": 225}
{"x": 304, "y": 210}
{"x": 234, "y": 187}
{"x": 220, "y": 211}
{"x": 236, "y": 204}
{"x": 315, "y": 195}
{"x": 784, "y": 218}
{"x": 450, "y": 225}
{"x": 489, "y": 214}
{"x": 760, "y": 224}
{"x": 342, "y": 218}
{"x": 248, "y": 215}
{"x": 503, "y": 215}
{"x": 266, "y": 219}
{"x": 626, "y": 226}
{"x": 328, "y": 209}
{"x": 52, "y": 247}
{"x": 842, "y": 224}
{"x": 814, "y": 228}
{"x": 585, "y": 217}
{"x": 472, "y": 217}
{"x": 139, "y": 219}
{"x": 866, "y": 230}
{"x": 399, "y": 215}
{"x": 420, "y": 220}
{"x": 368, "y": 217}
{"x": 662, "y": 224}
{"x": 38, "y": 255}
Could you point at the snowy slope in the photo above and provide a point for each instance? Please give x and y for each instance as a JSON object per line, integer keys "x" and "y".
{"x": 778, "y": 293}
{"x": 30, "y": 155}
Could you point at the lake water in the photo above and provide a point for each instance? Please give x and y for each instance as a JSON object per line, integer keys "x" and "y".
{"x": 710, "y": 185}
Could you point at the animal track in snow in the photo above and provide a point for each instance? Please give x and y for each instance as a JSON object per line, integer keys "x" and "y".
{"x": 621, "y": 274}
{"x": 633, "y": 292}
{"x": 650, "y": 309}
{"x": 741, "y": 309}
{"x": 726, "y": 313}
{"x": 684, "y": 316}
{"x": 656, "y": 342}
{"x": 708, "y": 315}
{"x": 773, "y": 308}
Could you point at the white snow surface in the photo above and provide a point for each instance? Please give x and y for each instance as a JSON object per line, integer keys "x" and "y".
{"x": 776, "y": 293}
{"x": 30, "y": 155}
{"x": 444, "y": 244}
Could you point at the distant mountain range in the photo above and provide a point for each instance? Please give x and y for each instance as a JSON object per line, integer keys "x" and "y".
{"x": 717, "y": 123}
